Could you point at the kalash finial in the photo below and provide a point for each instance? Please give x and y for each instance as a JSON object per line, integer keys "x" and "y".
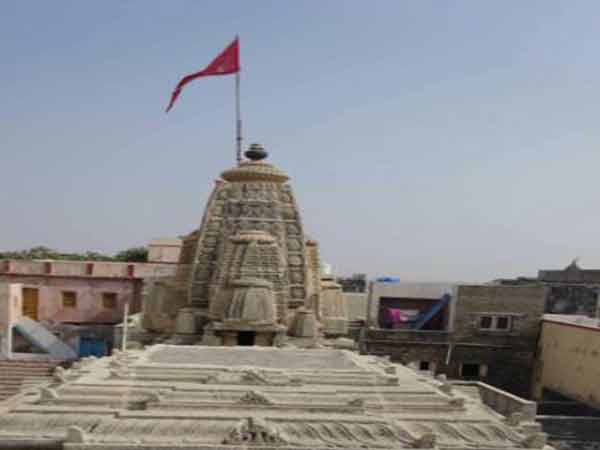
{"x": 256, "y": 152}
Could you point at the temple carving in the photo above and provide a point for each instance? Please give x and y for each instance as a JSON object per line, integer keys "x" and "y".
{"x": 249, "y": 274}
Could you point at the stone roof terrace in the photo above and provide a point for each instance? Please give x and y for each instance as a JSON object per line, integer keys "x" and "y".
{"x": 188, "y": 397}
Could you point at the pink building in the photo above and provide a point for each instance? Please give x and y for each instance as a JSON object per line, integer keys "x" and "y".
{"x": 80, "y": 301}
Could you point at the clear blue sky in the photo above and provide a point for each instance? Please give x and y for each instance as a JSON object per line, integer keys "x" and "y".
{"x": 426, "y": 139}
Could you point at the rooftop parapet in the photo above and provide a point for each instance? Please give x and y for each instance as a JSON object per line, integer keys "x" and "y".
{"x": 88, "y": 269}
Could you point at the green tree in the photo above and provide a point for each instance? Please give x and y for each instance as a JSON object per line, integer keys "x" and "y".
{"x": 134, "y": 254}
{"x": 42, "y": 252}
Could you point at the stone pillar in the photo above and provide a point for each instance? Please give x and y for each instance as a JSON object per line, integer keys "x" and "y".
{"x": 11, "y": 301}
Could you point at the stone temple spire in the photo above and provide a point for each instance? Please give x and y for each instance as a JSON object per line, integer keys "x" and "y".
{"x": 249, "y": 267}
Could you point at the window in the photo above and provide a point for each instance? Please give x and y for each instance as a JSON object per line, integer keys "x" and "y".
{"x": 495, "y": 323}
{"x": 109, "y": 300}
{"x": 69, "y": 299}
{"x": 502, "y": 323}
{"x": 485, "y": 322}
{"x": 424, "y": 365}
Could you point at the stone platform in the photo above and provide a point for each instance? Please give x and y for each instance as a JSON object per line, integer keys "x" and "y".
{"x": 264, "y": 357}
{"x": 178, "y": 397}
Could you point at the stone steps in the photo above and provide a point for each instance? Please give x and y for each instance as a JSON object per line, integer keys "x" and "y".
{"x": 22, "y": 379}
{"x": 19, "y": 374}
{"x": 25, "y": 369}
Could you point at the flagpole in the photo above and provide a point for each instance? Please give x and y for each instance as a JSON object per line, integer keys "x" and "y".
{"x": 238, "y": 118}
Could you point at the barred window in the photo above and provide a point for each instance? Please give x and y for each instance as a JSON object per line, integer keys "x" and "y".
{"x": 495, "y": 323}
{"x": 109, "y": 300}
{"x": 69, "y": 299}
{"x": 485, "y": 322}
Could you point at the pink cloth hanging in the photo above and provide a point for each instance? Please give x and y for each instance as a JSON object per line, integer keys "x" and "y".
{"x": 397, "y": 315}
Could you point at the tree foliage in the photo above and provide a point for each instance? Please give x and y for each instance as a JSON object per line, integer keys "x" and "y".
{"x": 134, "y": 254}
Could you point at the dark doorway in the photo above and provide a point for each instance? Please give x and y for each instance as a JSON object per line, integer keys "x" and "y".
{"x": 246, "y": 337}
{"x": 470, "y": 371}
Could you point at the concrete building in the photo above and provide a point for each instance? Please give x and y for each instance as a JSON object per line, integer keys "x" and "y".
{"x": 568, "y": 360}
{"x": 572, "y": 290}
{"x": 80, "y": 302}
{"x": 473, "y": 332}
{"x": 565, "y": 381}
{"x": 199, "y": 398}
{"x": 357, "y": 283}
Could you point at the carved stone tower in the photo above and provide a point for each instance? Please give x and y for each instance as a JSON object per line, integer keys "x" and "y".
{"x": 249, "y": 267}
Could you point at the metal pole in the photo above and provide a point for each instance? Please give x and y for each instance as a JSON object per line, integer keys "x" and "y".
{"x": 125, "y": 320}
{"x": 238, "y": 118}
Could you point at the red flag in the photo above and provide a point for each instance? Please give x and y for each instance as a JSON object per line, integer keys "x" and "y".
{"x": 226, "y": 63}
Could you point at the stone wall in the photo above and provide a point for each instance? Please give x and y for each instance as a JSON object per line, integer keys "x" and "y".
{"x": 501, "y": 401}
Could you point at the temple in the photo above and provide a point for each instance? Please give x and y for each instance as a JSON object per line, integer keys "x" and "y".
{"x": 248, "y": 275}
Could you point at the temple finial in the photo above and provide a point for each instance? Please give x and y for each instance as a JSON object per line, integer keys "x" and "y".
{"x": 256, "y": 152}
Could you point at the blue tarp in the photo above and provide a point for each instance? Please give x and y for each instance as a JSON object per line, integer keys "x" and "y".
{"x": 388, "y": 280}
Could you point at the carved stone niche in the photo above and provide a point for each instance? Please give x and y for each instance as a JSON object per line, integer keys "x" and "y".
{"x": 251, "y": 315}
{"x": 253, "y": 302}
